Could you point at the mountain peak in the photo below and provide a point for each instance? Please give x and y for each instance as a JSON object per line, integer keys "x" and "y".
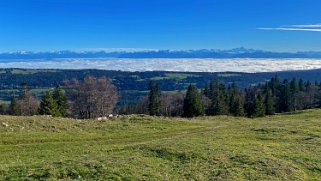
{"x": 240, "y": 52}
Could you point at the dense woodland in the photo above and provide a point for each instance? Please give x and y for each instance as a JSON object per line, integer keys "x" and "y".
{"x": 216, "y": 98}
{"x": 98, "y": 97}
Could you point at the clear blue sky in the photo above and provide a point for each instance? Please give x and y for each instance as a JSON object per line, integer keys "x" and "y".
{"x": 163, "y": 24}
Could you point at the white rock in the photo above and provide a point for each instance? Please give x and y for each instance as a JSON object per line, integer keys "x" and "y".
{"x": 5, "y": 124}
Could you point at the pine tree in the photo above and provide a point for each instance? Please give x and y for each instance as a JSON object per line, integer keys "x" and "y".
{"x": 269, "y": 104}
{"x": 237, "y": 106}
{"x": 13, "y": 108}
{"x": 154, "y": 105}
{"x": 193, "y": 105}
{"x": 301, "y": 85}
{"x": 48, "y": 106}
{"x": 218, "y": 100}
{"x": 61, "y": 99}
{"x": 285, "y": 97}
{"x": 275, "y": 85}
{"x": 235, "y": 103}
{"x": 294, "y": 88}
{"x": 259, "y": 108}
{"x": 249, "y": 100}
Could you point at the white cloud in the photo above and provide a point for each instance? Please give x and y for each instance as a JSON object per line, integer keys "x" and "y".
{"x": 249, "y": 65}
{"x": 307, "y": 26}
{"x": 292, "y": 29}
{"x": 310, "y": 27}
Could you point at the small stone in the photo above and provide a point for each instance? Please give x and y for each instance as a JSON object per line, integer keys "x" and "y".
{"x": 5, "y": 124}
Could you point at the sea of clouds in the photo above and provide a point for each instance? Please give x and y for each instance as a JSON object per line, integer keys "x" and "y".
{"x": 249, "y": 65}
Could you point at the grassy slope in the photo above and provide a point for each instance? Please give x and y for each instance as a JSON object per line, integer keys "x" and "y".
{"x": 285, "y": 147}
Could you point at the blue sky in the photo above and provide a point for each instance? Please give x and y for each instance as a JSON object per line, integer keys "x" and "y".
{"x": 41, "y": 25}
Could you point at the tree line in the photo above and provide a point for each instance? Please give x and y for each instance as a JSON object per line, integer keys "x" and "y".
{"x": 86, "y": 99}
{"x": 98, "y": 97}
{"x": 216, "y": 98}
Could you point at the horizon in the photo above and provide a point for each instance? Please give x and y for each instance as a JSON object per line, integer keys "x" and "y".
{"x": 54, "y": 25}
{"x": 134, "y": 50}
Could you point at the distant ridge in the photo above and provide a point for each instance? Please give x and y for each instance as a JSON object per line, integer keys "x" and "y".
{"x": 202, "y": 53}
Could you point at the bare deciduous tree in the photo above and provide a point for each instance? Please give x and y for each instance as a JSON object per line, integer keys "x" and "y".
{"x": 172, "y": 104}
{"x": 27, "y": 105}
{"x": 92, "y": 97}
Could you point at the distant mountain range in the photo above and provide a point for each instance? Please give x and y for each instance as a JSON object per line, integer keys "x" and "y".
{"x": 202, "y": 53}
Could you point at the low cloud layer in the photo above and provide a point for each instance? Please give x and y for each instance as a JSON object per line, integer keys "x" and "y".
{"x": 310, "y": 27}
{"x": 186, "y": 65}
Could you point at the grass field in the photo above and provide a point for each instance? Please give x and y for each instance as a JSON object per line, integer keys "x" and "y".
{"x": 228, "y": 75}
{"x": 178, "y": 76}
{"x": 30, "y": 71}
{"x": 282, "y": 147}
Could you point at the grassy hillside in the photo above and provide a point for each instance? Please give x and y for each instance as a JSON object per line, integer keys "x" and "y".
{"x": 283, "y": 147}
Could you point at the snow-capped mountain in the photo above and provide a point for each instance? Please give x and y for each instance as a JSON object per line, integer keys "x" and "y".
{"x": 151, "y": 53}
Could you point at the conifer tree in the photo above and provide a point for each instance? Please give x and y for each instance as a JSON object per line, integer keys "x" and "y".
{"x": 223, "y": 99}
{"x": 275, "y": 85}
{"x": 237, "y": 106}
{"x": 48, "y": 106}
{"x": 294, "y": 88}
{"x": 249, "y": 100}
{"x": 285, "y": 97}
{"x": 294, "y": 85}
{"x": 301, "y": 85}
{"x": 308, "y": 84}
{"x": 13, "y": 108}
{"x": 259, "y": 108}
{"x": 218, "y": 100}
{"x": 193, "y": 105}
{"x": 61, "y": 99}
{"x": 236, "y": 103}
{"x": 154, "y": 106}
{"x": 269, "y": 104}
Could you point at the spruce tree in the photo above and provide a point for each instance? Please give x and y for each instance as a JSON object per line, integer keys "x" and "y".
{"x": 218, "y": 100}
{"x": 276, "y": 86}
{"x": 223, "y": 100}
{"x": 48, "y": 106}
{"x": 154, "y": 105}
{"x": 237, "y": 106}
{"x": 269, "y": 104}
{"x": 259, "y": 108}
{"x": 294, "y": 88}
{"x": 285, "y": 97}
{"x": 193, "y": 105}
{"x": 301, "y": 85}
{"x": 236, "y": 103}
{"x": 13, "y": 108}
{"x": 250, "y": 95}
{"x": 61, "y": 99}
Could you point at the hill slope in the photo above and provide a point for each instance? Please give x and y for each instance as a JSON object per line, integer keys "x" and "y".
{"x": 283, "y": 147}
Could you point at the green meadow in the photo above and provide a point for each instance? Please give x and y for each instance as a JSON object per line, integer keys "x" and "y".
{"x": 138, "y": 147}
